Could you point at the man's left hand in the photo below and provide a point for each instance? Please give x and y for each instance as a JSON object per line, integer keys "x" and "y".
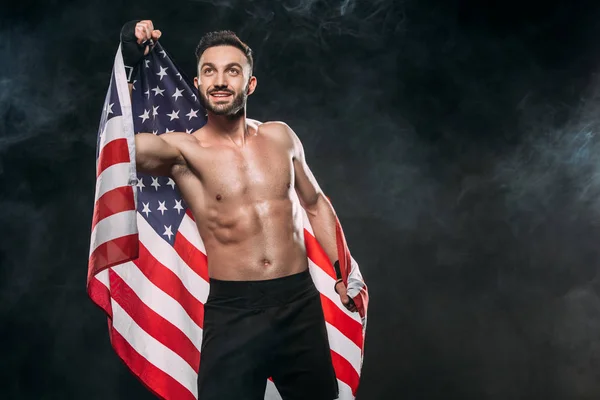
{"x": 340, "y": 288}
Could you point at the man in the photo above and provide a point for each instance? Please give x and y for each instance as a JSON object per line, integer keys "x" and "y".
{"x": 244, "y": 182}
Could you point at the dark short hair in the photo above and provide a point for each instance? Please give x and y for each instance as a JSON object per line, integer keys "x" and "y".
{"x": 223, "y": 38}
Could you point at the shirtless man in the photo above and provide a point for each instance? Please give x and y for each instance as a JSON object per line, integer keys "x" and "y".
{"x": 245, "y": 181}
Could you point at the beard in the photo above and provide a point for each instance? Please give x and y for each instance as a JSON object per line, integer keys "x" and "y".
{"x": 229, "y": 109}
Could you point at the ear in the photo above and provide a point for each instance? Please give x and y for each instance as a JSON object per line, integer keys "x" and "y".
{"x": 252, "y": 85}
{"x": 196, "y": 82}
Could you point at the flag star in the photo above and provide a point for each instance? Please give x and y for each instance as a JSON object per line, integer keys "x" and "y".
{"x": 192, "y": 114}
{"x": 155, "y": 132}
{"x": 174, "y": 115}
{"x": 194, "y": 96}
{"x": 189, "y": 130}
{"x": 179, "y": 75}
{"x": 178, "y": 206}
{"x": 178, "y": 93}
{"x": 164, "y": 53}
{"x": 163, "y": 72}
{"x": 146, "y": 209}
{"x": 158, "y": 91}
{"x": 155, "y": 111}
{"x": 147, "y": 92}
{"x": 133, "y": 84}
{"x": 169, "y": 130}
{"x": 161, "y": 207}
{"x": 140, "y": 184}
{"x": 171, "y": 182}
{"x": 147, "y": 62}
{"x": 168, "y": 231}
{"x": 109, "y": 108}
{"x": 145, "y": 116}
{"x": 155, "y": 183}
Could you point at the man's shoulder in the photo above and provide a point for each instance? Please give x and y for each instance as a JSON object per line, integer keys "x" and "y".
{"x": 275, "y": 127}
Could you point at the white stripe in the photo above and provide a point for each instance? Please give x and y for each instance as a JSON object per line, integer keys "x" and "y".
{"x": 271, "y": 393}
{"x": 345, "y": 391}
{"x": 324, "y": 284}
{"x": 125, "y": 101}
{"x": 112, "y": 130}
{"x": 102, "y": 277}
{"x": 189, "y": 230}
{"x": 152, "y": 350}
{"x": 112, "y": 227}
{"x": 115, "y": 176}
{"x": 160, "y": 302}
{"x": 167, "y": 256}
{"x": 345, "y": 347}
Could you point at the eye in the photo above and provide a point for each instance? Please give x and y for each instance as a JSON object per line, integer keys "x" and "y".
{"x": 234, "y": 71}
{"x": 207, "y": 70}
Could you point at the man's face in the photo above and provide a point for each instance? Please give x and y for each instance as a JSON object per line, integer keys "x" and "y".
{"x": 224, "y": 80}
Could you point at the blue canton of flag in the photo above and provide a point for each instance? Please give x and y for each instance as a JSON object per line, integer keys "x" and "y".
{"x": 163, "y": 102}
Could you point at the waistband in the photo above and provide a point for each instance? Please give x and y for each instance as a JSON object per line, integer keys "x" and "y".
{"x": 261, "y": 293}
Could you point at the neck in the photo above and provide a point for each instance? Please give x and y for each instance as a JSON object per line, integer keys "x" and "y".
{"x": 231, "y": 127}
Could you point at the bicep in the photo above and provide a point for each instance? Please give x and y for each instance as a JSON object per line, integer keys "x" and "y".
{"x": 155, "y": 155}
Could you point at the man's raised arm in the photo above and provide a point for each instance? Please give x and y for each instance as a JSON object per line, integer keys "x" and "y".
{"x": 156, "y": 155}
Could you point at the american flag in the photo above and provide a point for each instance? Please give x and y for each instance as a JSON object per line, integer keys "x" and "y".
{"x": 147, "y": 263}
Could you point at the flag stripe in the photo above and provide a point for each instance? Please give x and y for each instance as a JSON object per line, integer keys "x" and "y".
{"x": 114, "y": 152}
{"x": 100, "y": 294}
{"x": 113, "y": 252}
{"x": 113, "y": 227}
{"x": 344, "y": 371}
{"x": 152, "y": 350}
{"x": 341, "y": 321}
{"x": 191, "y": 256}
{"x": 112, "y": 177}
{"x": 160, "y": 383}
{"x": 112, "y": 202}
{"x": 152, "y": 313}
{"x": 112, "y": 131}
{"x": 189, "y": 229}
{"x": 339, "y": 343}
{"x": 167, "y": 281}
{"x": 166, "y": 255}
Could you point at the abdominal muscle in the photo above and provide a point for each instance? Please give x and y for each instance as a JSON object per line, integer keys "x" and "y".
{"x": 257, "y": 241}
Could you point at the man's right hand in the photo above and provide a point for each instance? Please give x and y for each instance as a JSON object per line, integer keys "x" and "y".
{"x": 137, "y": 38}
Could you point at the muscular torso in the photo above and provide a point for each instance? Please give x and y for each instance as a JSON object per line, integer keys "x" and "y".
{"x": 244, "y": 203}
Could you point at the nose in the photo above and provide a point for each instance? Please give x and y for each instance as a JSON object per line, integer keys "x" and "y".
{"x": 221, "y": 81}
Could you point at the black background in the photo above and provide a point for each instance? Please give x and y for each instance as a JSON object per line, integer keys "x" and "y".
{"x": 457, "y": 140}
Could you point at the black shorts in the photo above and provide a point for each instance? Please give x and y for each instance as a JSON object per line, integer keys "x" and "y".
{"x": 254, "y": 330}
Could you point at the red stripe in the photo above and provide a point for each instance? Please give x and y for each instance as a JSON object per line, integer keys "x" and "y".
{"x": 345, "y": 372}
{"x": 315, "y": 252}
{"x": 158, "y": 382}
{"x": 189, "y": 214}
{"x": 193, "y": 257}
{"x": 113, "y": 202}
{"x": 100, "y": 295}
{"x": 113, "y": 152}
{"x": 152, "y": 322}
{"x": 170, "y": 283}
{"x": 113, "y": 252}
{"x": 349, "y": 327}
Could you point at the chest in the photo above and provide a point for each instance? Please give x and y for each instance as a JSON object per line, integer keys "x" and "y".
{"x": 261, "y": 169}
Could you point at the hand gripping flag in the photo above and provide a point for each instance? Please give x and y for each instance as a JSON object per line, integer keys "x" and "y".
{"x": 147, "y": 263}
